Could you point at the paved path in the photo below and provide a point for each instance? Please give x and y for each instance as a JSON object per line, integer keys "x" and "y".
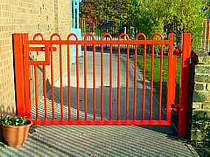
{"x": 107, "y": 87}
{"x": 110, "y": 141}
{"x": 97, "y": 141}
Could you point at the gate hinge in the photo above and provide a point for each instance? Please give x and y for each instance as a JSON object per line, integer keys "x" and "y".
{"x": 177, "y": 51}
{"x": 175, "y": 107}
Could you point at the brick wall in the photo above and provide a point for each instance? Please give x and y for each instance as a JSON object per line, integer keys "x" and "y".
{"x": 26, "y": 16}
{"x": 200, "y": 134}
{"x": 201, "y": 96}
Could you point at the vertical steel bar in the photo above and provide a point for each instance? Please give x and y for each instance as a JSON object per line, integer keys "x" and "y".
{"x": 160, "y": 84}
{"x": 118, "y": 84}
{"x": 184, "y": 86}
{"x": 171, "y": 78}
{"x": 85, "y": 82}
{"x": 52, "y": 90}
{"x": 102, "y": 82}
{"x": 127, "y": 81}
{"x": 110, "y": 88}
{"x": 61, "y": 81}
{"x": 27, "y": 78}
{"x": 94, "y": 83}
{"x": 45, "y": 91}
{"x": 69, "y": 80}
{"x": 36, "y": 92}
{"x": 29, "y": 92}
{"x": 144, "y": 83}
{"x": 152, "y": 82}
{"x": 77, "y": 80}
{"x": 135, "y": 82}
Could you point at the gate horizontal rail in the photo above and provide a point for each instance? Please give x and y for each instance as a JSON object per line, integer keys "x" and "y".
{"x": 99, "y": 122}
{"x": 105, "y": 42}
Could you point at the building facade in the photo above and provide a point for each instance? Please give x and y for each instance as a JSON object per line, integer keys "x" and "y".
{"x": 24, "y": 16}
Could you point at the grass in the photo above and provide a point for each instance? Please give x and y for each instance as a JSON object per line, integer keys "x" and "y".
{"x": 157, "y": 74}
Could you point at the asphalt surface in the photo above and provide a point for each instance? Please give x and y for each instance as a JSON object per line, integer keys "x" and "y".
{"x": 107, "y": 85}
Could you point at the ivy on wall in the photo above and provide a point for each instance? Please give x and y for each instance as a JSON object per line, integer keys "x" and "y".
{"x": 200, "y": 134}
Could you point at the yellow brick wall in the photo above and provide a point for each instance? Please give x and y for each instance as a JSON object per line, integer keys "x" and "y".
{"x": 27, "y": 16}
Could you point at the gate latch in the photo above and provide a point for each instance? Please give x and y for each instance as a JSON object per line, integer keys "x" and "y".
{"x": 47, "y": 50}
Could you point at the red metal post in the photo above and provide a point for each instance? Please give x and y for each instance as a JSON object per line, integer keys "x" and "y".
{"x": 118, "y": 83}
{"x": 144, "y": 82}
{"x": 184, "y": 85}
{"x": 36, "y": 92}
{"x": 102, "y": 82}
{"x": 45, "y": 91}
{"x": 127, "y": 81}
{"x": 94, "y": 82}
{"x": 161, "y": 84}
{"x": 27, "y": 77}
{"x": 135, "y": 82}
{"x": 171, "y": 84}
{"x": 152, "y": 82}
{"x": 110, "y": 79}
{"x": 77, "y": 77}
{"x": 53, "y": 90}
{"x": 61, "y": 80}
{"x": 18, "y": 42}
{"x": 69, "y": 81}
{"x": 85, "y": 82}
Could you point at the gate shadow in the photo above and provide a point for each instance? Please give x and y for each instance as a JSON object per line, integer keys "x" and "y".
{"x": 106, "y": 96}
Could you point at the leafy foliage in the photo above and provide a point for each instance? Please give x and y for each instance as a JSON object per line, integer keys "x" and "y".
{"x": 200, "y": 134}
{"x": 169, "y": 15}
{"x": 117, "y": 11}
{"x": 151, "y": 16}
{"x": 14, "y": 120}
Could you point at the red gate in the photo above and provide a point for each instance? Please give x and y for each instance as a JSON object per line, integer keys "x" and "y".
{"x": 120, "y": 109}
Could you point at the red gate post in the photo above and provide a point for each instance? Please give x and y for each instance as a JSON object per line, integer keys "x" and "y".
{"x": 184, "y": 86}
{"x": 19, "y": 71}
{"x": 171, "y": 85}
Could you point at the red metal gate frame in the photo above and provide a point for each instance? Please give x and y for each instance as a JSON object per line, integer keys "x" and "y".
{"x": 22, "y": 78}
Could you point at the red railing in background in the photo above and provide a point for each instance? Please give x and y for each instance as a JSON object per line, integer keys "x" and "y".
{"x": 23, "y": 64}
{"x": 202, "y": 38}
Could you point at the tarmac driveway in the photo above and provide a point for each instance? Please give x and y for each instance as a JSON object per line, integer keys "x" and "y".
{"x": 107, "y": 87}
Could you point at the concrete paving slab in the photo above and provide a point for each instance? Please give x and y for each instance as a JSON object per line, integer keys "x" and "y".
{"x": 97, "y": 141}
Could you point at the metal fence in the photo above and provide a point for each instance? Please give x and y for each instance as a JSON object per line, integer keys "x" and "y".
{"x": 111, "y": 101}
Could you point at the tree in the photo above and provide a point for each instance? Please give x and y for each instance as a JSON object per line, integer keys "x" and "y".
{"x": 166, "y": 16}
{"x": 104, "y": 10}
{"x": 151, "y": 16}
